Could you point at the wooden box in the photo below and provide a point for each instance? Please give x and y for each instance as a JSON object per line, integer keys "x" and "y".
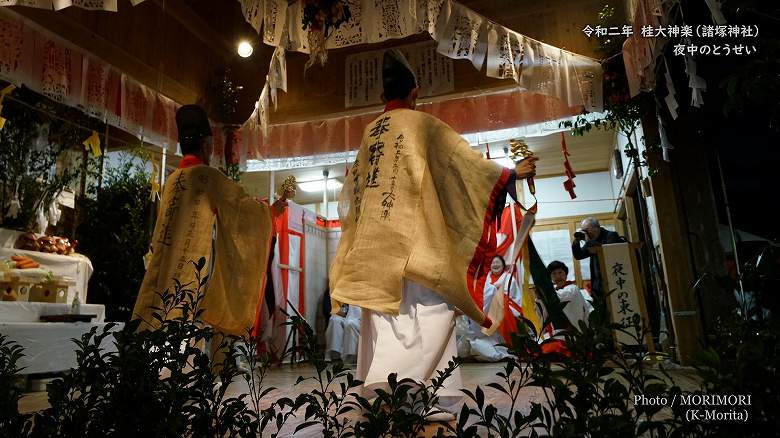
{"x": 50, "y": 292}
{"x": 13, "y": 288}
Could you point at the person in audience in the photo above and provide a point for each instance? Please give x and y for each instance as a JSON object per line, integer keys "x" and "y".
{"x": 342, "y": 334}
{"x": 593, "y": 235}
{"x": 576, "y": 307}
{"x": 473, "y": 343}
{"x": 499, "y": 275}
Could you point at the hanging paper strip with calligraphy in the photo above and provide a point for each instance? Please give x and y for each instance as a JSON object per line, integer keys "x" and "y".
{"x": 95, "y": 5}
{"x": 505, "y": 52}
{"x": 274, "y": 19}
{"x": 42, "y": 4}
{"x": 463, "y": 36}
{"x": 253, "y": 11}
{"x": 51, "y": 66}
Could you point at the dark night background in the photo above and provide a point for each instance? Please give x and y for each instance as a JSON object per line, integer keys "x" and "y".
{"x": 740, "y": 117}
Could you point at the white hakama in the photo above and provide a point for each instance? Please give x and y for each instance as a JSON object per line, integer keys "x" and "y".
{"x": 342, "y": 335}
{"x": 477, "y": 345}
{"x": 414, "y": 344}
{"x": 577, "y": 307}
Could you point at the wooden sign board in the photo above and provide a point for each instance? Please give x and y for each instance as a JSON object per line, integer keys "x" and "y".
{"x": 624, "y": 290}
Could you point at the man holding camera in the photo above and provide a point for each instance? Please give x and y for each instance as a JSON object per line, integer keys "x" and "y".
{"x": 594, "y": 235}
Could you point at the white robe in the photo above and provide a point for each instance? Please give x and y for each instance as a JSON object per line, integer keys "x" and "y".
{"x": 577, "y": 308}
{"x": 342, "y": 335}
{"x": 473, "y": 343}
{"x": 514, "y": 291}
{"x": 414, "y": 344}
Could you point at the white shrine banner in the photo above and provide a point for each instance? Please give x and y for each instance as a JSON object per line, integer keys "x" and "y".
{"x": 388, "y": 19}
{"x": 625, "y": 297}
{"x": 505, "y": 53}
{"x": 363, "y": 73}
{"x": 274, "y": 19}
{"x": 277, "y": 73}
{"x": 463, "y": 36}
{"x": 95, "y": 5}
{"x": 253, "y": 13}
{"x": 43, "y": 4}
{"x": 459, "y": 32}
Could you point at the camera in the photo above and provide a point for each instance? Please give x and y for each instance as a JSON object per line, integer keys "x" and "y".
{"x": 579, "y": 235}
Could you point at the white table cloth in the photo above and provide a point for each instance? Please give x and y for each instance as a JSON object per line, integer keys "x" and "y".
{"x": 76, "y": 267}
{"x": 48, "y": 346}
{"x": 21, "y": 311}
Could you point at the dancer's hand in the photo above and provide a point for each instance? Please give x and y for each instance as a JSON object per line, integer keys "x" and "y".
{"x": 527, "y": 168}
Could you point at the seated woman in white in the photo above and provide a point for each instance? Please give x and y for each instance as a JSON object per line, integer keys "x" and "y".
{"x": 342, "y": 334}
{"x": 576, "y": 308}
{"x": 473, "y": 342}
{"x": 499, "y": 275}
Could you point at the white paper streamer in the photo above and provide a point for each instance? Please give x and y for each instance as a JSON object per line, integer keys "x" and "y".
{"x": 42, "y": 4}
{"x": 459, "y": 32}
{"x": 14, "y": 207}
{"x": 505, "y": 51}
{"x": 253, "y": 11}
{"x": 274, "y": 19}
{"x": 697, "y": 83}
{"x": 351, "y": 32}
{"x": 262, "y": 108}
{"x": 715, "y": 10}
{"x": 94, "y": 5}
{"x": 54, "y": 213}
{"x": 387, "y": 19}
{"x": 277, "y": 73}
{"x": 665, "y": 145}
{"x": 670, "y": 99}
{"x": 464, "y": 36}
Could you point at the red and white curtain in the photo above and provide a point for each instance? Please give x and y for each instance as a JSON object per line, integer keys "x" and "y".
{"x": 95, "y": 5}
{"x": 49, "y": 65}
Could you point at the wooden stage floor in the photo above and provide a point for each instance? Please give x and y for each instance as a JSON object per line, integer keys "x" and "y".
{"x": 283, "y": 378}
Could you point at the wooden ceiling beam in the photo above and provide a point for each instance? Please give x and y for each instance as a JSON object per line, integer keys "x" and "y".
{"x": 197, "y": 26}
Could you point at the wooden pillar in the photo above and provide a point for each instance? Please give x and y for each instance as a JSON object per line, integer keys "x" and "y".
{"x": 675, "y": 250}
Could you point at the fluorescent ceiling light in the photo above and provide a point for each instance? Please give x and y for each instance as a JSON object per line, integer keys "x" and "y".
{"x": 245, "y": 49}
{"x": 319, "y": 185}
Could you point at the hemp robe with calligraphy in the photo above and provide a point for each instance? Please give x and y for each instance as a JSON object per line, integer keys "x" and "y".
{"x": 198, "y": 203}
{"x": 417, "y": 205}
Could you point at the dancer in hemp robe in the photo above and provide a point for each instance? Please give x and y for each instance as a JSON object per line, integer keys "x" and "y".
{"x": 205, "y": 214}
{"x": 416, "y": 211}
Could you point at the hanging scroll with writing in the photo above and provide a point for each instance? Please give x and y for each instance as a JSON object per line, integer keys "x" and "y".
{"x": 363, "y": 78}
{"x": 94, "y": 5}
{"x": 43, "y": 4}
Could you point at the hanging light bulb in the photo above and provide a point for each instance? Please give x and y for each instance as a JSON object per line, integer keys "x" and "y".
{"x": 245, "y": 49}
